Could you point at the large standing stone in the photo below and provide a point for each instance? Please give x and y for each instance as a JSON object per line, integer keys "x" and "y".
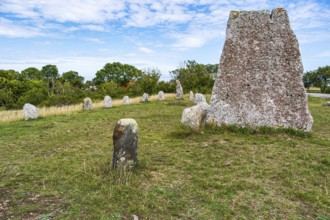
{"x": 125, "y": 141}
{"x": 107, "y": 102}
{"x": 259, "y": 82}
{"x": 87, "y": 104}
{"x": 199, "y": 98}
{"x": 30, "y": 111}
{"x": 179, "y": 90}
{"x": 161, "y": 96}
{"x": 191, "y": 96}
{"x": 193, "y": 117}
{"x": 145, "y": 97}
{"x": 126, "y": 100}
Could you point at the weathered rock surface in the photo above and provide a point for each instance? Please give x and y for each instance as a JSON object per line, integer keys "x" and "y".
{"x": 125, "y": 142}
{"x": 327, "y": 103}
{"x": 87, "y": 104}
{"x": 126, "y": 100}
{"x": 107, "y": 102}
{"x": 30, "y": 111}
{"x": 161, "y": 96}
{"x": 259, "y": 82}
{"x": 145, "y": 97}
{"x": 194, "y": 117}
{"x": 179, "y": 90}
{"x": 191, "y": 96}
{"x": 199, "y": 98}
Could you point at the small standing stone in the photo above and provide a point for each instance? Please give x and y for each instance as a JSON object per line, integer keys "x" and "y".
{"x": 125, "y": 141}
{"x": 126, "y": 100}
{"x": 107, "y": 102}
{"x": 87, "y": 104}
{"x": 327, "y": 103}
{"x": 161, "y": 96}
{"x": 179, "y": 90}
{"x": 191, "y": 96}
{"x": 145, "y": 97}
{"x": 30, "y": 111}
{"x": 199, "y": 98}
{"x": 194, "y": 116}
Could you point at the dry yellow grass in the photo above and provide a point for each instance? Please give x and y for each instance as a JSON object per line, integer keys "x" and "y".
{"x": 15, "y": 115}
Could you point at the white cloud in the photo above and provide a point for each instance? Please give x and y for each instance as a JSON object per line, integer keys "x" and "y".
{"x": 94, "y": 40}
{"x": 38, "y": 16}
{"x": 84, "y": 11}
{"x": 9, "y": 28}
{"x": 182, "y": 25}
{"x": 93, "y": 27}
{"x": 146, "y": 50}
{"x": 323, "y": 54}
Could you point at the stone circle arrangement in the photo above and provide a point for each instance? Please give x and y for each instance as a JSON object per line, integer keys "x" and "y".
{"x": 259, "y": 83}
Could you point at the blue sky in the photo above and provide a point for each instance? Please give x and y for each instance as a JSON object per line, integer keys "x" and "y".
{"x": 84, "y": 35}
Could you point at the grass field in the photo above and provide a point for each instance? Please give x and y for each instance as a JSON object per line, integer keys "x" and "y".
{"x": 58, "y": 167}
{"x": 314, "y": 90}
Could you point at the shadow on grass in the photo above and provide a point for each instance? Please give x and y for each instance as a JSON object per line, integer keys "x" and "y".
{"x": 263, "y": 130}
{"x": 184, "y": 132}
{"x": 178, "y": 103}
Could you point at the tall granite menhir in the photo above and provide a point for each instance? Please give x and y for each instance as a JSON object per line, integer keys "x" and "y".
{"x": 259, "y": 82}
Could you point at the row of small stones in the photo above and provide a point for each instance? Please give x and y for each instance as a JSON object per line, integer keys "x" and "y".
{"x": 31, "y": 112}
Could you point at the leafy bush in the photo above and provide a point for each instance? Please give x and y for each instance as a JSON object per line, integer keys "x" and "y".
{"x": 34, "y": 96}
{"x": 167, "y": 87}
{"x": 327, "y": 90}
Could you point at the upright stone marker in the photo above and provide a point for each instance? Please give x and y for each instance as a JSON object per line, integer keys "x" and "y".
{"x": 179, "y": 90}
{"x": 199, "y": 98}
{"x": 126, "y": 100}
{"x": 259, "y": 82}
{"x": 30, "y": 111}
{"x": 191, "y": 96}
{"x": 125, "y": 140}
{"x": 145, "y": 97}
{"x": 161, "y": 96}
{"x": 107, "y": 102}
{"x": 87, "y": 104}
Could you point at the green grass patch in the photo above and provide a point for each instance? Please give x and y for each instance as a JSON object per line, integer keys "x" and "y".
{"x": 60, "y": 168}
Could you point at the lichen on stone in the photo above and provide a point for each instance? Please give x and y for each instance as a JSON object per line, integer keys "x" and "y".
{"x": 279, "y": 10}
{"x": 234, "y": 14}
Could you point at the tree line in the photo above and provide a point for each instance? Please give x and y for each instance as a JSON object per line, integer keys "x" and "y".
{"x": 47, "y": 87}
{"x": 318, "y": 78}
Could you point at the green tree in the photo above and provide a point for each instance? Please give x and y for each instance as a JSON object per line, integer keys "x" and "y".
{"x": 318, "y": 78}
{"x": 110, "y": 88}
{"x": 11, "y": 89}
{"x": 50, "y": 75}
{"x": 9, "y": 74}
{"x": 196, "y": 77}
{"x": 6, "y": 98}
{"x": 166, "y": 86}
{"x": 149, "y": 80}
{"x": 31, "y": 73}
{"x": 117, "y": 72}
{"x": 73, "y": 78}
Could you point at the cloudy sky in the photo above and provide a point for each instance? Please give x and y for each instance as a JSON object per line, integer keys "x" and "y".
{"x": 83, "y": 35}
